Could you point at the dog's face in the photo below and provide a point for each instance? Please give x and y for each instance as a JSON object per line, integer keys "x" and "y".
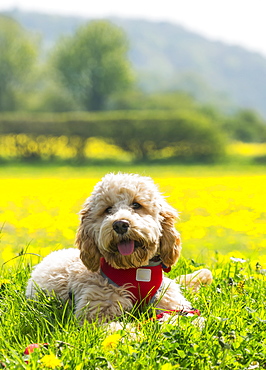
{"x": 127, "y": 221}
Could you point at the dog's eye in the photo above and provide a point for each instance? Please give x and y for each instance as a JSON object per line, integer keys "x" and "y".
{"x": 136, "y": 205}
{"x": 108, "y": 210}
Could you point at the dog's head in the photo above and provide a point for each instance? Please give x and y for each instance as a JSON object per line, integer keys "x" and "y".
{"x": 128, "y": 222}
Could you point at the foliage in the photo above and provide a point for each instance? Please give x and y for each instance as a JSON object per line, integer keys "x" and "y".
{"x": 49, "y": 95}
{"x": 90, "y": 70}
{"x": 186, "y": 135}
{"x": 17, "y": 58}
{"x": 138, "y": 100}
{"x": 167, "y": 57}
{"x": 92, "y": 64}
{"x": 247, "y": 126}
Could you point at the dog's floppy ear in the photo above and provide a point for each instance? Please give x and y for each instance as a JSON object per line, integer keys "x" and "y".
{"x": 170, "y": 243}
{"x": 89, "y": 252}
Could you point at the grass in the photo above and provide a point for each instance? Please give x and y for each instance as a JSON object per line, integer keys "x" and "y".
{"x": 233, "y": 336}
{"x": 223, "y": 228}
{"x": 97, "y": 168}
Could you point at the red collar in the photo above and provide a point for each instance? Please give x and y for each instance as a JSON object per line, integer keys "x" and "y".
{"x": 144, "y": 281}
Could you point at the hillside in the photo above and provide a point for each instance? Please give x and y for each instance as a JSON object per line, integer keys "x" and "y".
{"x": 167, "y": 57}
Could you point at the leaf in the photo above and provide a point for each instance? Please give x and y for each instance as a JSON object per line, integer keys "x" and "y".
{"x": 181, "y": 353}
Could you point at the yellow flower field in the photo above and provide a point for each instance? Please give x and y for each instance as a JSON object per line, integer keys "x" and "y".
{"x": 223, "y": 213}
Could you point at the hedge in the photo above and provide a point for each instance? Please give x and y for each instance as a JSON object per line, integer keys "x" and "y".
{"x": 188, "y": 135}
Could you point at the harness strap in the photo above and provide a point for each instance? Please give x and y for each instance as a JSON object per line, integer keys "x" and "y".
{"x": 183, "y": 312}
{"x": 107, "y": 278}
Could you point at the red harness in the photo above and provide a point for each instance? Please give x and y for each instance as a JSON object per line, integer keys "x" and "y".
{"x": 143, "y": 281}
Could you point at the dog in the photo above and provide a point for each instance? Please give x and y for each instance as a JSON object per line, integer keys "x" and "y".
{"x": 126, "y": 240}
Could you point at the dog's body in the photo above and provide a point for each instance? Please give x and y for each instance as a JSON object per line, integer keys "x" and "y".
{"x": 126, "y": 227}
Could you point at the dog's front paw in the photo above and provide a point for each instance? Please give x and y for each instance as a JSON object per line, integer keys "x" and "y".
{"x": 196, "y": 279}
{"x": 199, "y": 322}
{"x": 114, "y": 326}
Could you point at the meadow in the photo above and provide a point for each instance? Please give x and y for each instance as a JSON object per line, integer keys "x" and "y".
{"x": 221, "y": 209}
{"x": 223, "y": 226}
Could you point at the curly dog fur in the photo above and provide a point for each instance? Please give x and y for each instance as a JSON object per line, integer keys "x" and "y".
{"x": 127, "y": 222}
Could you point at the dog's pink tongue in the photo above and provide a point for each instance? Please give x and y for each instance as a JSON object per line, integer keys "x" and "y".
{"x": 126, "y": 247}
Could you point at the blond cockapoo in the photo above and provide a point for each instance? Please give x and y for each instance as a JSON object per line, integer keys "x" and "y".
{"x": 126, "y": 239}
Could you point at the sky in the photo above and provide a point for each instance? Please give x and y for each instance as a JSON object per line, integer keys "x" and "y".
{"x": 236, "y": 22}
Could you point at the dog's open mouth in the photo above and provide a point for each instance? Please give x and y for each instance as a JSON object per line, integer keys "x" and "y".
{"x": 127, "y": 247}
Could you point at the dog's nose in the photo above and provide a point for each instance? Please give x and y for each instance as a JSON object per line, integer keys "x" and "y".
{"x": 121, "y": 227}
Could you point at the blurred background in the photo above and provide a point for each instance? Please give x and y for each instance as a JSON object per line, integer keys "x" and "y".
{"x": 172, "y": 90}
{"x": 131, "y": 85}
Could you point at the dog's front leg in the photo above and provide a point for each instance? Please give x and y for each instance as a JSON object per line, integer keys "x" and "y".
{"x": 101, "y": 302}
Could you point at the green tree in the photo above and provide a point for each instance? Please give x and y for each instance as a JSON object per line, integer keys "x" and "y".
{"x": 247, "y": 126}
{"x": 18, "y": 53}
{"x": 93, "y": 63}
{"x": 139, "y": 100}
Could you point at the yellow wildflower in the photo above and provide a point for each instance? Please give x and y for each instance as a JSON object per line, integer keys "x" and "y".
{"x": 167, "y": 366}
{"x": 8, "y": 254}
{"x": 50, "y": 361}
{"x": 221, "y": 212}
{"x": 111, "y": 341}
{"x": 130, "y": 350}
{"x": 5, "y": 281}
